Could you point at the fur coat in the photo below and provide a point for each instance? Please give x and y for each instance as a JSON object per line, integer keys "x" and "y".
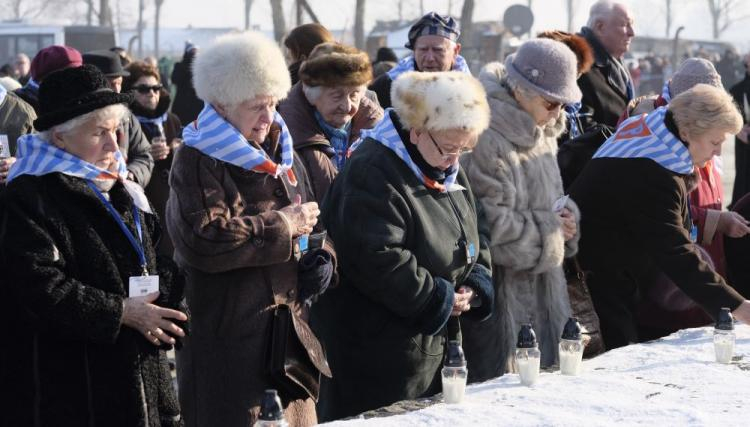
{"x": 514, "y": 175}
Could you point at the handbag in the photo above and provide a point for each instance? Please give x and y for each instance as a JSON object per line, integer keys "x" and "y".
{"x": 583, "y": 307}
{"x": 295, "y": 358}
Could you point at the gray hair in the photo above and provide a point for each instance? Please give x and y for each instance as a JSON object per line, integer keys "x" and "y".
{"x": 115, "y": 111}
{"x": 312, "y": 93}
{"x": 600, "y": 11}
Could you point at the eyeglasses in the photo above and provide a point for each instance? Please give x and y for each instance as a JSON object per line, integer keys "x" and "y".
{"x": 551, "y": 106}
{"x": 146, "y": 89}
{"x": 446, "y": 156}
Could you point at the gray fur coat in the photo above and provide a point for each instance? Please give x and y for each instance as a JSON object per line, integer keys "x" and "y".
{"x": 514, "y": 174}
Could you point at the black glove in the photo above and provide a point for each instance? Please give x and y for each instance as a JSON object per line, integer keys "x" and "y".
{"x": 314, "y": 273}
{"x": 480, "y": 281}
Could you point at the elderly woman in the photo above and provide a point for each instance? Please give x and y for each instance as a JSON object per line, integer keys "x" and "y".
{"x": 239, "y": 214}
{"x": 404, "y": 221}
{"x": 162, "y": 129}
{"x": 633, "y": 200}
{"x": 532, "y": 227}
{"x": 88, "y": 310}
{"x": 328, "y": 109}
{"x": 300, "y": 42}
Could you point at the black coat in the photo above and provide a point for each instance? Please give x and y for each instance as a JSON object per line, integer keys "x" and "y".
{"x": 186, "y": 104}
{"x": 382, "y": 87}
{"x": 604, "y": 95}
{"x": 634, "y": 217}
{"x": 740, "y": 92}
{"x": 383, "y": 326}
{"x": 66, "y": 359}
{"x": 736, "y": 252}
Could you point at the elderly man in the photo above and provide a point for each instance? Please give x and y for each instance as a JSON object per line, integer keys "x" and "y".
{"x": 130, "y": 137}
{"x": 434, "y": 41}
{"x": 607, "y": 87}
{"x": 22, "y": 66}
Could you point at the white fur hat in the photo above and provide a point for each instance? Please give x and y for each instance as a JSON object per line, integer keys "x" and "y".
{"x": 440, "y": 101}
{"x": 238, "y": 67}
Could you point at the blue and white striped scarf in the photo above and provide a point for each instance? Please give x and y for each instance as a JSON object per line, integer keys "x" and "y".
{"x": 156, "y": 121}
{"x": 385, "y": 133}
{"x": 37, "y": 157}
{"x": 665, "y": 93}
{"x": 646, "y": 136}
{"x": 571, "y": 113}
{"x": 407, "y": 64}
{"x": 339, "y": 139}
{"x": 215, "y": 137}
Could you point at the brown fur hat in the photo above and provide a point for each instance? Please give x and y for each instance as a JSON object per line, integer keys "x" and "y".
{"x": 334, "y": 64}
{"x": 576, "y": 43}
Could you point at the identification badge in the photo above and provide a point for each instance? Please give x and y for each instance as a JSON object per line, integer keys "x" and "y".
{"x": 304, "y": 243}
{"x": 693, "y": 233}
{"x": 560, "y": 203}
{"x": 143, "y": 285}
{"x": 4, "y": 147}
{"x": 470, "y": 253}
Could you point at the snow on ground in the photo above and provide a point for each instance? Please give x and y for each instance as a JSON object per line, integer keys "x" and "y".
{"x": 671, "y": 382}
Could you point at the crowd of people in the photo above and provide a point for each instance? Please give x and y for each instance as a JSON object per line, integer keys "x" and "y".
{"x": 324, "y": 224}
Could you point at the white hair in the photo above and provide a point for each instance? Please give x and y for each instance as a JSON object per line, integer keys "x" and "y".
{"x": 312, "y": 93}
{"x": 600, "y": 11}
{"x": 115, "y": 111}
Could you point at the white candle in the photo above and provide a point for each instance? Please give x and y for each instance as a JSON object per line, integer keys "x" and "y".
{"x": 454, "y": 389}
{"x": 570, "y": 362}
{"x": 528, "y": 370}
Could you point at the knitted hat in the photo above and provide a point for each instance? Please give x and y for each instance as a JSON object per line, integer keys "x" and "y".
{"x": 108, "y": 62}
{"x": 238, "y": 67}
{"x": 72, "y": 92}
{"x": 433, "y": 24}
{"x": 440, "y": 101}
{"x": 546, "y": 67}
{"x": 334, "y": 64}
{"x": 691, "y": 72}
{"x": 54, "y": 58}
{"x": 579, "y": 46}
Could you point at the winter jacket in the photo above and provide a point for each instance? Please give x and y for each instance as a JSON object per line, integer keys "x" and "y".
{"x": 312, "y": 144}
{"x": 136, "y": 149}
{"x": 67, "y": 360}
{"x": 157, "y": 189}
{"x": 237, "y": 251}
{"x": 186, "y": 104}
{"x": 738, "y": 269}
{"x": 741, "y": 94}
{"x": 16, "y": 119}
{"x": 382, "y": 87}
{"x": 30, "y": 95}
{"x": 513, "y": 172}
{"x": 635, "y": 219}
{"x": 401, "y": 261}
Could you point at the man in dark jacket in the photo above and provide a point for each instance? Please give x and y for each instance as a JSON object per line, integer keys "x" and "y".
{"x": 16, "y": 119}
{"x": 434, "y": 41}
{"x": 607, "y": 87}
{"x": 133, "y": 143}
{"x": 741, "y": 94}
{"x": 186, "y": 104}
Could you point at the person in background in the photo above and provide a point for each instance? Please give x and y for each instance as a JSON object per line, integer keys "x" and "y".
{"x": 513, "y": 172}
{"x": 186, "y": 104}
{"x": 327, "y": 110}
{"x": 88, "y": 347}
{"x": 406, "y": 229}
{"x": 434, "y": 41}
{"x": 385, "y": 60}
{"x": 635, "y": 217}
{"x": 125, "y": 59}
{"x": 300, "y": 42}
{"x": 45, "y": 62}
{"x": 741, "y": 94}
{"x": 132, "y": 142}
{"x": 9, "y": 83}
{"x": 16, "y": 119}
{"x": 21, "y": 68}
{"x": 162, "y": 129}
{"x": 239, "y": 202}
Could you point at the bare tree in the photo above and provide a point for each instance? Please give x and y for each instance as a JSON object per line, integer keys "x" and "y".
{"x": 571, "y": 14}
{"x": 141, "y": 26}
{"x": 26, "y": 9}
{"x": 248, "y": 5}
{"x": 670, "y": 17}
{"x": 467, "y": 12}
{"x": 724, "y": 13}
{"x": 105, "y": 14}
{"x": 279, "y": 25}
{"x": 157, "y": 24}
{"x": 359, "y": 24}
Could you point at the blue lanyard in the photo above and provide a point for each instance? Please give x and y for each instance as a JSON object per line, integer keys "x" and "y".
{"x": 137, "y": 244}
{"x": 693, "y": 227}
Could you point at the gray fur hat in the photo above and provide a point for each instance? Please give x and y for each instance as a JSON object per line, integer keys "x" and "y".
{"x": 691, "y": 72}
{"x": 546, "y": 67}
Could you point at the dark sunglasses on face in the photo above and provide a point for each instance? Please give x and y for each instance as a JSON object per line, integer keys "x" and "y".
{"x": 146, "y": 89}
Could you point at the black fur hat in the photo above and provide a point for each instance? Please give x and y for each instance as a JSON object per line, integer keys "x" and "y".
{"x": 72, "y": 92}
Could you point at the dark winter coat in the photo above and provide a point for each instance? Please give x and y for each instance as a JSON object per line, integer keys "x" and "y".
{"x": 634, "y": 218}
{"x": 741, "y": 92}
{"x": 382, "y": 87}
{"x": 186, "y": 104}
{"x": 157, "y": 189}
{"x": 312, "y": 144}
{"x": 30, "y": 95}
{"x": 237, "y": 251}
{"x": 16, "y": 119}
{"x": 384, "y": 325}
{"x": 66, "y": 359}
{"x": 736, "y": 251}
{"x": 604, "y": 92}
{"x": 136, "y": 149}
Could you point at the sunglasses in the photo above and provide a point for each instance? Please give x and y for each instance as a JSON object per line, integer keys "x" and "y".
{"x": 146, "y": 89}
{"x": 446, "y": 156}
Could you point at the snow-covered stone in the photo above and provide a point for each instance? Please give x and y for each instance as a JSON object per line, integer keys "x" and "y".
{"x": 672, "y": 381}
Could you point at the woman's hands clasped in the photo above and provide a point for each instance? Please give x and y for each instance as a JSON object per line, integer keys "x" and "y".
{"x": 152, "y": 321}
{"x": 302, "y": 216}
{"x": 569, "y": 227}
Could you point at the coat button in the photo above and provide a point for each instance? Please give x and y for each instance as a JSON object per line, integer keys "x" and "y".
{"x": 258, "y": 241}
{"x": 278, "y": 192}
{"x": 291, "y": 293}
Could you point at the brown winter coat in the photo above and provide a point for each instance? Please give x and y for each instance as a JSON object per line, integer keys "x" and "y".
{"x": 311, "y": 142}
{"x": 236, "y": 250}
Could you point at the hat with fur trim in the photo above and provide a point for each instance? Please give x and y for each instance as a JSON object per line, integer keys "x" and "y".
{"x": 579, "y": 46}
{"x": 238, "y": 67}
{"x": 334, "y": 64}
{"x": 440, "y": 101}
{"x": 547, "y": 68}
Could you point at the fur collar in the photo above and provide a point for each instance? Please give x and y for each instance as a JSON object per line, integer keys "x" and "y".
{"x": 508, "y": 118}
